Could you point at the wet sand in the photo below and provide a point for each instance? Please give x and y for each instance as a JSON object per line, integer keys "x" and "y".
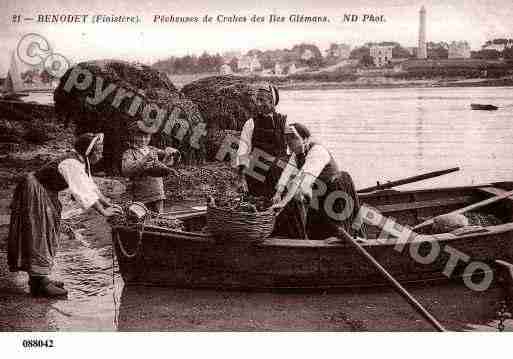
{"x": 98, "y": 300}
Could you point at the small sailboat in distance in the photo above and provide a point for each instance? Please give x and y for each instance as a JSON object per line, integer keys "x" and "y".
{"x": 13, "y": 83}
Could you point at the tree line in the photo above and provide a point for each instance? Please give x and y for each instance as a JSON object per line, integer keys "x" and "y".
{"x": 206, "y": 62}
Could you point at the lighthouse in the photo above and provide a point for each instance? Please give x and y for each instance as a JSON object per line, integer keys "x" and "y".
{"x": 422, "y": 52}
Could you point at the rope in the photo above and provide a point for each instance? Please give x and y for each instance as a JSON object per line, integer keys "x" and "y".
{"x": 139, "y": 242}
{"x": 114, "y": 291}
{"x": 127, "y": 255}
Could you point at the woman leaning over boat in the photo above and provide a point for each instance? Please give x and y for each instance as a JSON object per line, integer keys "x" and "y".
{"x": 313, "y": 174}
{"x": 36, "y": 211}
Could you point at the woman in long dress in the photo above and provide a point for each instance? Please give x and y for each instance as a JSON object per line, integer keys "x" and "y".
{"x": 36, "y": 212}
{"x": 313, "y": 174}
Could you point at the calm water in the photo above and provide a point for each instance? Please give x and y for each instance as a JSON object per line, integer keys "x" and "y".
{"x": 386, "y": 134}
{"x": 45, "y": 98}
{"x": 375, "y": 135}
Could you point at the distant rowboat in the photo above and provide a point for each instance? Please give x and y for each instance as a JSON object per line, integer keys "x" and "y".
{"x": 477, "y": 106}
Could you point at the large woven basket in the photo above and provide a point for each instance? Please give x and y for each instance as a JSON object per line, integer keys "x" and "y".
{"x": 231, "y": 225}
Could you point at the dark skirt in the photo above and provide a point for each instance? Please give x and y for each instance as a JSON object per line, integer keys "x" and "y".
{"x": 291, "y": 223}
{"x": 326, "y": 219}
{"x": 34, "y": 227}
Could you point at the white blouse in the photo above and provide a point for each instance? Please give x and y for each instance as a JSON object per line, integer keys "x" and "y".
{"x": 82, "y": 186}
{"x": 303, "y": 178}
{"x": 245, "y": 147}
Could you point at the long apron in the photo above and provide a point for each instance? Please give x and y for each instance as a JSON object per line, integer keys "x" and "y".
{"x": 334, "y": 212}
{"x": 291, "y": 222}
{"x": 34, "y": 227}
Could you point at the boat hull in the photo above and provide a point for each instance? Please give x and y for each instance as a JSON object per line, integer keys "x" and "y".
{"x": 158, "y": 256}
{"x": 476, "y": 106}
{"x": 169, "y": 260}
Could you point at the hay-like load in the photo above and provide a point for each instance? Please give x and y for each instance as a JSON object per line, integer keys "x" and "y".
{"x": 226, "y": 103}
{"x": 108, "y": 95}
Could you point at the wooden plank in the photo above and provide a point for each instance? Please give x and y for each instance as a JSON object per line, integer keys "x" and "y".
{"x": 407, "y": 180}
{"x": 469, "y": 208}
{"x": 495, "y": 191}
{"x": 393, "y": 193}
{"x": 396, "y": 207}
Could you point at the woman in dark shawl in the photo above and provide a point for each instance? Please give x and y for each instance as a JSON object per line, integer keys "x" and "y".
{"x": 263, "y": 140}
{"x": 36, "y": 212}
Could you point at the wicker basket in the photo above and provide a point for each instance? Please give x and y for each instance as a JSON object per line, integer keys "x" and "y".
{"x": 236, "y": 226}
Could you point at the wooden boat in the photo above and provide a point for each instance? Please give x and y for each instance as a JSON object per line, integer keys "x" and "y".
{"x": 477, "y": 106}
{"x": 192, "y": 259}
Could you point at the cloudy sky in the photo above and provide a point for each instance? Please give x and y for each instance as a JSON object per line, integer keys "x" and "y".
{"x": 473, "y": 20}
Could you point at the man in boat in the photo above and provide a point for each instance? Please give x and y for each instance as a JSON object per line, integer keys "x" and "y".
{"x": 333, "y": 204}
{"x": 265, "y": 133}
{"x": 36, "y": 212}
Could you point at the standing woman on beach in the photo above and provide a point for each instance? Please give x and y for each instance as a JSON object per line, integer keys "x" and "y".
{"x": 36, "y": 212}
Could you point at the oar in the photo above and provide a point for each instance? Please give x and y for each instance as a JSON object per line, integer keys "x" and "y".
{"x": 466, "y": 209}
{"x": 395, "y": 284}
{"x": 407, "y": 180}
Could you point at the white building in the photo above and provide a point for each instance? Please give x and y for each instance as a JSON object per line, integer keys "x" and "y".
{"x": 225, "y": 70}
{"x": 382, "y": 55}
{"x": 307, "y": 55}
{"x": 339, "y": 51}
{"x": 248, "y": 64}
{"x": 497, "y": 47}
{"x": 291, "y": 69}
{"x": 278, "y": 69}
{"x": 412, "y": 50}
{"x": 459, "y": 50}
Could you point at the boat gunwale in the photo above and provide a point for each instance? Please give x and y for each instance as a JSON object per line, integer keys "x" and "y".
{"x": 327, "y": 243}
{"x": 173, "y": 234}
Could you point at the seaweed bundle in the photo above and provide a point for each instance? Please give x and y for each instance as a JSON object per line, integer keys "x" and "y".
{"x": 108, "y": 95}
{"x": 225, "y": 103}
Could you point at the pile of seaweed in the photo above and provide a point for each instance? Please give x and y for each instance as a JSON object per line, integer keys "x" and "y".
{"x": 240, "y": 202}
{"x": 195, "y": 183}
{"x": 225, "y": 103}
{"x": 112, "y": 94}
{"x": 184, "y": 128}
{"x": 125, "y": 219}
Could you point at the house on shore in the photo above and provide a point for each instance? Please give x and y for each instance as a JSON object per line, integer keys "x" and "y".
{"x": 459, "y": 50}
{"x": 278, "y": 69}
{"x": 225, "y": 69}
{"x": 339, "y": 51}
{"x": 382, "y": 55}
{"x": 248, "y": 64}
{"x": 291, "y": 69}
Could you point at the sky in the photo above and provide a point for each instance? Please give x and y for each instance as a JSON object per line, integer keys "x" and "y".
{"x": 472, "y": 20}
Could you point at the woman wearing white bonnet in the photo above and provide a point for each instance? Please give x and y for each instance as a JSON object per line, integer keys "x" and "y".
{"x": 312, "y": 165}
{"x": 265, "y": 133}
{"x": 36, "y": 211}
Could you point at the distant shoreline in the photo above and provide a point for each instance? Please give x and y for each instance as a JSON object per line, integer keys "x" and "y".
{"x": 318, "y": 85}
{"x": 360, "y": 83}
